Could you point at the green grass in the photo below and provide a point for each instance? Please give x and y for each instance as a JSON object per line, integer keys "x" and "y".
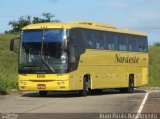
{"x": 9, "y": 63}
{"x": 154, "y": 66}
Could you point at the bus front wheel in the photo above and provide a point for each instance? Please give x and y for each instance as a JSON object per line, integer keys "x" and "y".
{"x": 85, "y": 90}
{"x": 131, "y": 84}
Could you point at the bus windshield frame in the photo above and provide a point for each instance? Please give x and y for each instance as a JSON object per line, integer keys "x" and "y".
{"x": 42, "y": 51}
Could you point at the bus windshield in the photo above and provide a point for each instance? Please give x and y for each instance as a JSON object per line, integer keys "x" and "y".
{"x": 39, "y": 46}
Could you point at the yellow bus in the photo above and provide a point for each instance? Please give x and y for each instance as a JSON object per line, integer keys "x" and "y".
{"x": 81, "y": 56}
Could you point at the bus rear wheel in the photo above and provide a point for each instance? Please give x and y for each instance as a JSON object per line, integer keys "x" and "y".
{"x": 85, "y": 90}
{"x": 130, "y": 88}
{"x": 131, "y": 84}
{"x": 43, "y": 93}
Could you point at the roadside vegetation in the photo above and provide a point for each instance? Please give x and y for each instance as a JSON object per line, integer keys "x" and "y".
{"x": 17, "y": 25}
{"x": 154, "y": 65}
{"x": 8, "y": 65}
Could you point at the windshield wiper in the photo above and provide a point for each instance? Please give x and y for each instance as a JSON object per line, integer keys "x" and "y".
{"x": 43, "y": 60}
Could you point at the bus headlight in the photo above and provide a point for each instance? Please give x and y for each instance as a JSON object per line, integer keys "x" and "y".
{"x": 61, "y": 83}
{"x": 23, "y": 83}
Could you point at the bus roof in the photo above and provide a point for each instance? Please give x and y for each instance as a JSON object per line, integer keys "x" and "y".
{"x": 82, "y": 24}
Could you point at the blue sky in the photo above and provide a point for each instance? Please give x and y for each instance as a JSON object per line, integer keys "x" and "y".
{"x": 139, "y": 15}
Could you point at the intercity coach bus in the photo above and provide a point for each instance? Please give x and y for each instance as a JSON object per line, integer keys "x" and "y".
{"x": 81, "y": 56}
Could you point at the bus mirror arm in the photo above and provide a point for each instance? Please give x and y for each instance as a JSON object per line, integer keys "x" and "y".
{"x": 12, "y": 44}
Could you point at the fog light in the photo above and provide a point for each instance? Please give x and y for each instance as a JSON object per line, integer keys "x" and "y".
{"x": 23, "y": 87}
{"x": 62, "y": 87}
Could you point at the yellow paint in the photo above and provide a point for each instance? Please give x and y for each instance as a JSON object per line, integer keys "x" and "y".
{"x": 107, "y": 73}
{"x": 52, "y": 82}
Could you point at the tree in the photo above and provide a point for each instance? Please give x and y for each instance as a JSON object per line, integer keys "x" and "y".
{"x": 47, "y": 17}
{"x": 18, "y": 25}
{"x": 24, "y": 21}
{"x": 156, "y": 44}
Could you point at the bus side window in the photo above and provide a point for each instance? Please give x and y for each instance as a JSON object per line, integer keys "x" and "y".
{"x": 132, "y": 43}
{"x": 142, "y": 44}
{"x": 89, "y": 38}
{"x": 85, "y": 38}
{"x": 104, "y": 41}
{"x": 94, "y": 39}
{"x": 97, "y": 45}
{"x": 72, "y": 54}
{"x": 122, "y": 44}
{"x": 110, "y": 40}
{"x": 115, "y": 40}
{"x": 90, "y": 43}
{"x": 101, "y": 39}
{"x": 145, "y": 44}
{"x": 97, "y": 38}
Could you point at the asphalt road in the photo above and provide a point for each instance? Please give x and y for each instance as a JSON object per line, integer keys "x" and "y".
{"x": 70, "y": 105}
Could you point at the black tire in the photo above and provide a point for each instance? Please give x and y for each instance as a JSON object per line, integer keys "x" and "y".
{"x": 130, "y": 88}
{"x": 85, "y": 90}
{"x": 43, "y": 93}
{"x": 131, "y": 84}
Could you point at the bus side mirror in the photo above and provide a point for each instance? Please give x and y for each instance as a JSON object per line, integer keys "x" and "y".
{"x": 14, "y": 44}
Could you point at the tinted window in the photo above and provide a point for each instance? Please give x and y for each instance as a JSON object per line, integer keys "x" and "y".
{"x": 112, "y": 41}
{"x": 132, "y": 43}
{"x": 122, "y": 42}
{"x": 89, "y": 38}
{"x": 142, "y": 44}
{"x": 99, "y": 39}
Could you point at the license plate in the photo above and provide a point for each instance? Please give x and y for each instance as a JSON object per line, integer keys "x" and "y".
{"x": 41, "y": 86}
